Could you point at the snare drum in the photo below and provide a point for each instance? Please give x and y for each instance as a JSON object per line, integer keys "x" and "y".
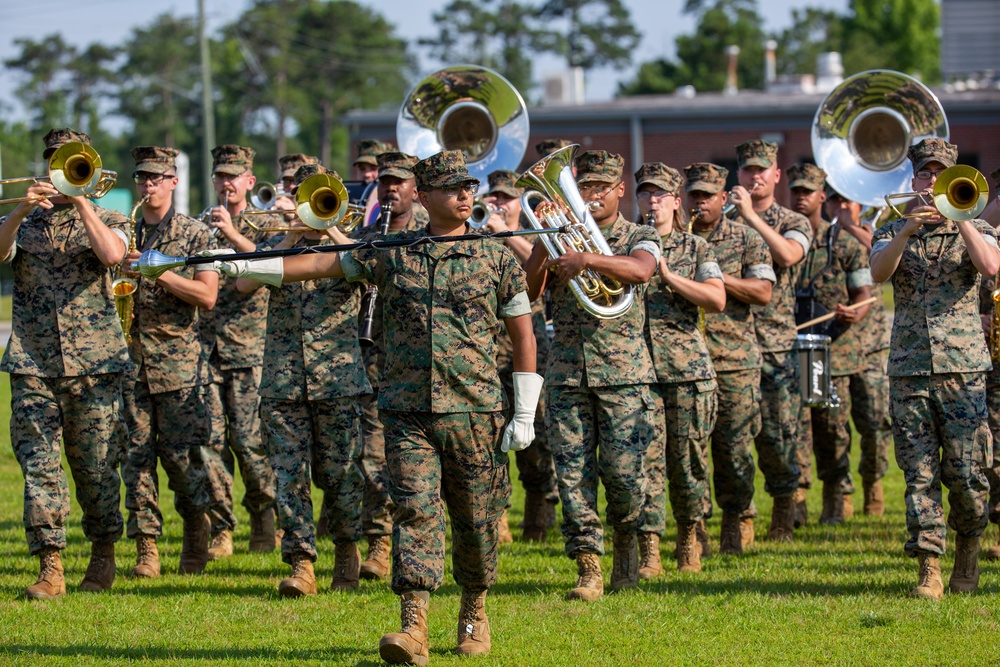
{"x": 815, "y": 376}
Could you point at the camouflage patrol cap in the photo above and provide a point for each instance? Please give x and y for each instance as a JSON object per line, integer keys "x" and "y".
{"x": 805, "y": 175}
{"x": 705, "y": 177}
{"x": 660, "y": 175}
{"x": 757, "y": 153}
{"x": 442, "y": 170}
{"x": 932, "y": 150}
{"x": 154, "y": 159}
{"x": 394, "y": 163}
{"x": 549, "y": 146}
{"x": 370, "y": 149}
{"x": 232, "y": 159}
{"x": 311, "y": 169}
{"x": 289, "y": 164}
{"x": 503, "y": 181}
{"x": 56, "y": 138}
{"x": 599, "y": 166}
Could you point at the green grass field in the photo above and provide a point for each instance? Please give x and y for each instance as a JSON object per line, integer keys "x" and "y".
{"x": 836, "y": 596}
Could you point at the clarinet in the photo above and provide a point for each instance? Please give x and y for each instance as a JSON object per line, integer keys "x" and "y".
{"x": 370, "y": 299}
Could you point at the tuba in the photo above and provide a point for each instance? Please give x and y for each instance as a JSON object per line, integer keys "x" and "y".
{"x": 863, "y": 129}
{"x": 551, "y": 182}
{"x": 465, "y": 107}
{"x": 123, "y": 288}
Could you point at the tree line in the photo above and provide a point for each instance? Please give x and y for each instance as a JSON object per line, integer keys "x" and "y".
{"x": 285, "y": 71}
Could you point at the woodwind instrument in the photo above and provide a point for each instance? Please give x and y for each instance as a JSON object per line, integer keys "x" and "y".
{"x": 123, "y": 288}
{"x": 370, "y": 299}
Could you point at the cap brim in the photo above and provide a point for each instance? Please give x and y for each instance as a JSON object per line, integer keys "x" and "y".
{"x": 703, "y": 186}
{"x": 449, "y": 180}
{"x": 802, "y": 183}
{"x": 756, "y": 162}
{"x": 153, "y": 167}
{"x": 231, "y": 169}
{"x": 583, "y": 177}
{"x": 944, "y": 162}
{"x": 503, "y": 189}
{"x": 367, "y": 159}
{"x": 397, "y": 173}
{"x": 663, "y": 185}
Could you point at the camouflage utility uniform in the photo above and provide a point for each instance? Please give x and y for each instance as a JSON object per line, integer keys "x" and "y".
{"x": 66, "y": 358}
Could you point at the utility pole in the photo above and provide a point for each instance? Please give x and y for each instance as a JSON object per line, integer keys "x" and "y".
{"x": 207, "y": 108}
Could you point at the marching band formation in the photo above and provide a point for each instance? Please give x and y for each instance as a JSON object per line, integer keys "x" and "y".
{"x": 391, "y": 339}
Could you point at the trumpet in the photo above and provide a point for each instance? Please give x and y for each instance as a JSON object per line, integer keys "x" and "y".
{"x": 74, "y": 170}
{"x": 265, "y": 195}
{"x": 481, "y": 212}
{"x": 123, "y": 288}
{"x": 959, "y": 193}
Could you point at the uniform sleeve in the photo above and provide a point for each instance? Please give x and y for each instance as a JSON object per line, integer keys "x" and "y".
{"x": 117, "y": 223}
{"x": 202, "y": 239}
{"x": 707, "y": 267}
{"x": 797, "y": 228}
{"x": 856, "y": 263}
{"x": 757, "y": 260}
{"x": 883, "y": 236}
{"x": 647, "y": 239}
{"x": 512, "y": 292}
{"x": 987, "y": 231}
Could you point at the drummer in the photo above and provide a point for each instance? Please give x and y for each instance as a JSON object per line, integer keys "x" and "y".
{"x": 834, "y": 277}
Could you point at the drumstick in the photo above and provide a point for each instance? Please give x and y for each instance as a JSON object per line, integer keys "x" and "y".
{"x": 830, "y": 316}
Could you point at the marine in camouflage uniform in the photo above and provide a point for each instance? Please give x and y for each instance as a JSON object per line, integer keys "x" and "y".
{"x": 987, "y": 311}
{"x": 937, "y": 365}
{"x": 787, "y": 235}
{"x": 535, "y": 468}
{"x": 312, "y": 377}
{"x": 687, "y": 280}
{"x": 745, "y": 263}
{"x": 240, "y": 321}
{"x": 834, "y": 274}
{"x": 165, "y": 402}
{"x": 600, "y": 413}
{"x": 66, "y": 358}
{"x": 366, "y": 162}
{"x": 396, "y": 184}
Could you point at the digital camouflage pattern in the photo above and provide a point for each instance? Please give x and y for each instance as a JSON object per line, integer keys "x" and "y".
{"x": 660, "y": 175}
{"x": 442, "y": 170}
{"x": 172, "y": 427}
{"x": 437, "y": 460}
{"x": 218, "y": 462}
{"x": 64, "y": 321}
{"x": 737, "y": 425}
{"x": 370, "y": 149}
{"x": 932, "y": 150}
{"x": 830, "y": 278}
{"x": 870, "y": 411}
{"x": 805, "y": 175}
{"x": 80, "y": 416}
{"x": 600, "y": 434}
{"x": 232, "y": 159}
{"x": 757, "y": 153}
{"x": 935, "y": 330}
{"x": 590, "y": 352}
{"x": 599, "y": 166}
{"x": 463, "y": 290}
{"x": 314, "y": 440}
{"x": 396, "y": 164}
{"x": 289, "y": 164}
{"x": 549, "y": 146}
{"x": 731, "y": 335}
{"x": 955, "y": 450}
{"x": 504, "y": 181}
{"x": 685, "y": 384}
{"x": 986, "y": 307}
{"x": 780, "y": 407}
{"x": 705, "y": 177}
{"x": 59, "y": 137}
{"x": 154, "y": 159}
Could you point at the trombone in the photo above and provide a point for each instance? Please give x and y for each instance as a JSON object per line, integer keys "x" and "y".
{"x": 321, "y": 202}
{"x": 959, "y": 193}
{"x": 74, "y": 170}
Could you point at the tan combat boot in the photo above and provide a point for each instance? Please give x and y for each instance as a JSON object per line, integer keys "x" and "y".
{"x": 194, "y": 549}
{"x": 221, "y": 545}
{"x": 650, "y": 565}
{"x": 535, "y": 517}
{"x": 377, "y": 564}
{"x": 848, "y": 507}
{"x": 688, "y": 552}
{"x": 625, "y": 568}
{"x": 100, "y": 574}
{"x": 874, "y": 499}
{"x": 302, "y": 580}
{"x": 703, "y": 542}
{"x": 965, "y": 574}
{"x": 473, "y": 625}
{"x": 801, "y": 510}
{"x": 147, "y": 558}
{"x": 746, "y": 532}
{"x": 833, "y": 504}
{"x": 589, "y": 581}
{"x": 50, "y": 583}
{"x": 930, "y": 584}
{"x": 730, "y": 539}
{"x": 782, "y": 520}
{"x": 503, "y": 530}
{"x": 409, "y": 645}
{"x": 262, "y": 535}
{"x": 346, "y": 566}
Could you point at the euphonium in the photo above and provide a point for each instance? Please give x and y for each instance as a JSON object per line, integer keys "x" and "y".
{"x": 122, "y": 287}
{"x": 551, "y": 181}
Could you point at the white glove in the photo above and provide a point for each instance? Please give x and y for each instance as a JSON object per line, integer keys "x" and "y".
{"x": 267, "y": 270}
{"x": 215, "y": 252}
{"x": 521, "y": 429}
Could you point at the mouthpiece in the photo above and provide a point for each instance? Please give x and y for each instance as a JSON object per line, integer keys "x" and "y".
{"x": 593, "y": 206}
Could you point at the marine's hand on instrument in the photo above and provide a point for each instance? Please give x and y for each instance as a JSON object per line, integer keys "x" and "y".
{"x": 496, "y": 222}
{"x": 850, "y": 316}
{"x": 222, "y": 221}
{"x": 740, "y": 197}
{"x": 521, "y": 430}
{"x": 40, "y": 191}
{"x": 568, "y": 265}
